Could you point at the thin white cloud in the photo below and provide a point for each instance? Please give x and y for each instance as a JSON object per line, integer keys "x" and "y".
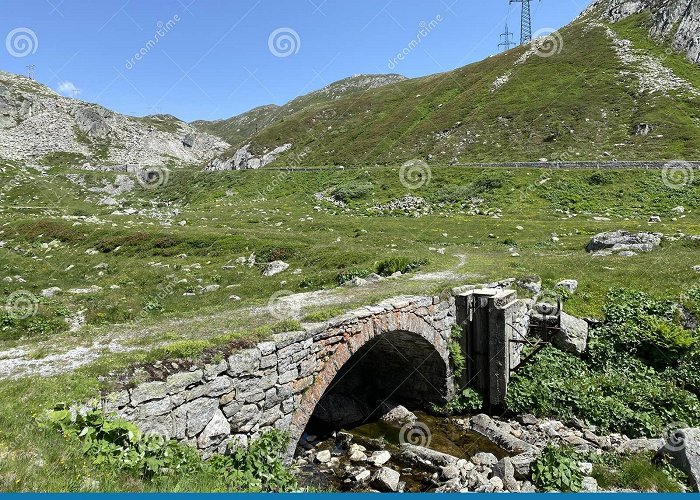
{"x": 68, "y": 88}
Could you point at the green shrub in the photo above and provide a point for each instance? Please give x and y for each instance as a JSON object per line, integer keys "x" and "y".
{"x": 399, "y": 264}
{"x": 640, "y": 372}
{"x": 467, "y": 401}
{"x": 257, "y": 467}
{"x": 599, "y": 179}
{"x": 118, "y": 445}
{"x": 352, "y": 190}
{"x": 556, "y": 469}
{"x": 453, "y": 194}
{"x": 459, "y": 362}
{"x": 350, "y": 274}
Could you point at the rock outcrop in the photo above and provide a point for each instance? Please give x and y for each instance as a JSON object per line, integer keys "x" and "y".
{"x": 243, "y": 159}
{"x": 674, "y": 20}
{"x": 624, "y": 241}
{"x": 36, "y": 121}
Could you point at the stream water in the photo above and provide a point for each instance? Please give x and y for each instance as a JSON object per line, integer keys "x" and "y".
{"x": 436, "y": 433}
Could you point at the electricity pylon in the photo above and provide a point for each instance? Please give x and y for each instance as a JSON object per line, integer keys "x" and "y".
{"x": 525, "y": 21}
{"x": 506, "y": 40}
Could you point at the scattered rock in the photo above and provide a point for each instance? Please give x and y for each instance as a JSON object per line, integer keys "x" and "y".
{"x": 323, "y": 457}
{"x": 450, "y": 471}
{"x": 487, "y": 427}
{"x": 620, "y": 241}
{"x": 532, "y": 285}
{"x": 569, "y": 285}
{"x": 573, "y": 337}
{"x": 396, "y": 415}
{"x": 379, "y": 458}
{"x": 85, "y": 291}
{"x": 589, "y": 485}
{"x": 586, "y": 468}
{"x": 506, "y": 472}
{"x": 487, "y": 459}
{"x": 527, "y": 419}
{"x": 497, "y": 483}
{"x": 51, "y": 292}
{"x": 642, "y": 129}
{"x": 357, "y": 455}
{"x": 522, "y": 464}
{"x": 275, "y": 267}
{"x": 386, "y": 480}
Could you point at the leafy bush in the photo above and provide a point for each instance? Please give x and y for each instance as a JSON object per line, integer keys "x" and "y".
{"x": 453, "y": 194}
{"x": 599, "y": 179}
{"x": 460, "y": 194}
{"x": 399, "y": 264}
{"x": 119, "y": 445}
{"x": 459, "y": 362}
{"x": 257, "y": 467}
{"x": 640, "y": 372}
{"x": 467, "y": 401}
{"x": 556, "y": 469}
{"x": 352, "y": 190}
{"x": 350, "y": 274}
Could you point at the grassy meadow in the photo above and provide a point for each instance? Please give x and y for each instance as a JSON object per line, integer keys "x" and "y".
{"x": 156, "y": 266}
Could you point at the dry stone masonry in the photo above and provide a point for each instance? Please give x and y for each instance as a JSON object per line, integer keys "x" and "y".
{"x": 279, "y": 383}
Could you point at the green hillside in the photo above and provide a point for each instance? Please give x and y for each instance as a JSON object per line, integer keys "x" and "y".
{"x": 580, "y": 102}
{"x": 239, "y": 129}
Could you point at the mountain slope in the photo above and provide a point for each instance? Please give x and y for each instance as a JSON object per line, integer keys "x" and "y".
{"x": 596, "y": 90}
{"x": 39, "y": 125}
{"x": 239, "y": 129}
{"x": 675, "y": 21}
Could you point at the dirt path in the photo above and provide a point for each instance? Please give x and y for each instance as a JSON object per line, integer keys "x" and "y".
{"x": 65, "y": 353}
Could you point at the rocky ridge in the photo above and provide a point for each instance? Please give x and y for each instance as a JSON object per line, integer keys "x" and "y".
{"x": 36, "y": 121}
{"x": 674, "y": 20}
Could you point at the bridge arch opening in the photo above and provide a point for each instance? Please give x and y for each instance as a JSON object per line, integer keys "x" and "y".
{"x": 398, "y": 367}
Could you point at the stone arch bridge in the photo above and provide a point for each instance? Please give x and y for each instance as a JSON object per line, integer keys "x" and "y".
{"x": 397, "y": 349}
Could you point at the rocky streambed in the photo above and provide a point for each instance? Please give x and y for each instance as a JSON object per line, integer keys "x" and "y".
{"x": 434, "y": 454}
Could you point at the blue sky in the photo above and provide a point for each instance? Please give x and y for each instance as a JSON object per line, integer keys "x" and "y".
{"x": 216, "y": 58}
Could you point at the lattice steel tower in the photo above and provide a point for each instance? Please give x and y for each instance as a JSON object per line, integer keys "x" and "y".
{"x": 525, "y": 21}
{"x": 506, "y": 40}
